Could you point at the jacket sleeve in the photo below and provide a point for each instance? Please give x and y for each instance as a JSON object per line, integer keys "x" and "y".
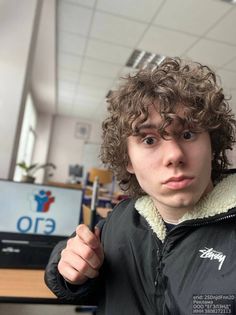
{"x": 86, "y": 294}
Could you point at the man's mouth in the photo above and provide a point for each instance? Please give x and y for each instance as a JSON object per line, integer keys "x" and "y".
{"x": 179, "y": 182}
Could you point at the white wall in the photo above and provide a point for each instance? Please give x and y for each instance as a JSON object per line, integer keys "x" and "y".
{"x": 17, "y": 24}
{"x": 66, "y": 149}
{"x": 43, "y": 78}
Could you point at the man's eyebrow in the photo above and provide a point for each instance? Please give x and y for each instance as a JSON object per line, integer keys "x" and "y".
{"x": 144, "y": 126}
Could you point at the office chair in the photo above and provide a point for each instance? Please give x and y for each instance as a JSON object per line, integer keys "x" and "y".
{"x": 105, "y": 176}
{"x": 86, "y": 213}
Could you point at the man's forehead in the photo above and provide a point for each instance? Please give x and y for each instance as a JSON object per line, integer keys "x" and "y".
{"x": 155, "y": 120}
{"x": 160, "y": 116}
{"x": 153, "y": 116}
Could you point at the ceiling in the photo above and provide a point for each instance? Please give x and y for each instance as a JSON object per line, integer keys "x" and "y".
{"x": 95, "y": 38}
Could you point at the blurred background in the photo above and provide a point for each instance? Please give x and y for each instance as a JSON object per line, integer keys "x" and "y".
{"x": 60, "y": 59}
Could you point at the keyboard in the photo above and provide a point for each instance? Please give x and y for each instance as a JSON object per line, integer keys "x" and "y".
{"x": 26, "y": 251}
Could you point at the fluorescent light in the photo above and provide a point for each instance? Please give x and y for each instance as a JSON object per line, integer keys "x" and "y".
{"x": 140, "y": 59}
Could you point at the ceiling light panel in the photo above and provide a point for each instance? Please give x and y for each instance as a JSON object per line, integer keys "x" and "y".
{"x": 67, "y": 75}
{"x": 73, "y": 18}
{"x": 108, "y": 52}
{"x": 212, "y": 53}
{"x": 100, "y": 68}
{"x": 225, "y": 30}
{"x": 173, "y": 15}
{"x": 116, "y": 29}
{"x": 86, "y": 3}
{"x": 142, "y": 11}
{"x": 166, "y": 42}
{"x": 69, "y": 62}
{"x": 91, "y": 91}
{"x": 71, "y": 43}
{"x": 231, "y": 65}
{"x": 95, "y": 80}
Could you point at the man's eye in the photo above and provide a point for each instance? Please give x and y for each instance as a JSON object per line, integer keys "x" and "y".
{"x": 188, "y": 135}
{"x": 149, "y": 140}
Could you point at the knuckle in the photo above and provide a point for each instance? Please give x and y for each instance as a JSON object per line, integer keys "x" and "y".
{"x": 99, "y": 264}
{"x": 70, "y": 242}
{"x": 83, "y": 267}
{"x": 70, "y": 274}
{"x": 61, "y": 266}
{"x": 88, "y": 254}
{"x": 80, "y": 229}
{"x": 74, "y": 276}
{"x": 63, "y": 253}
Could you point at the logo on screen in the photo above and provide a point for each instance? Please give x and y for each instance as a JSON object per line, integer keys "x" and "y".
{"x": 43, "y": 199}
{"x": 40, "y": 202}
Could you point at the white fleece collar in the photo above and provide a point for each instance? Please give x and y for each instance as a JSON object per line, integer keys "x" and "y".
{"x": 221, "y": 199}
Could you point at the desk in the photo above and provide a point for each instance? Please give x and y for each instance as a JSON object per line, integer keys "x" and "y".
{"x": 65, "y": 185}
{"x": 27, "y": 286}
{"x": 24, "y": 284}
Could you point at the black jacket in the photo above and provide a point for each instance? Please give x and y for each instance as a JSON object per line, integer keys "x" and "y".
{"x": 147, "y": 270}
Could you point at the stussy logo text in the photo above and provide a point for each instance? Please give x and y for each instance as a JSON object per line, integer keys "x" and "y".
{"x": 213, "y": 254}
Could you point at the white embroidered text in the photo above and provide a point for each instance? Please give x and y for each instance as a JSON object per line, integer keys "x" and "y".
{"x": 213, "y": 254}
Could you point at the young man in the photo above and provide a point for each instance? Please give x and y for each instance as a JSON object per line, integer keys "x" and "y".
{"x": 170, "y": 248}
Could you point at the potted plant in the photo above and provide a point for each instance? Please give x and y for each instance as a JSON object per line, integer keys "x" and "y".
{"x": 30, "y": 170}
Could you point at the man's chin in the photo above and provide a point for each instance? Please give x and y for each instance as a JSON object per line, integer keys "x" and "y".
{"x": 181, "y": 203}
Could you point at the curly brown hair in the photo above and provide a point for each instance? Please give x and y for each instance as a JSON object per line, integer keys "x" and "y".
{"x": 174, "y": 82}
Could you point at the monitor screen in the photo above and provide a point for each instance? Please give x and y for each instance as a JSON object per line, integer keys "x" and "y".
{"x": 39, "y": 209}
{"x": 76, "y": 170}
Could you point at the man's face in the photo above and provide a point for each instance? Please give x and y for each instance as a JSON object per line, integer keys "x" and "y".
{"x": 176, "y": 172}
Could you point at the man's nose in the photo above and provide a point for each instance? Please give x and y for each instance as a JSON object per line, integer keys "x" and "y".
{"x": 173, "y": 153}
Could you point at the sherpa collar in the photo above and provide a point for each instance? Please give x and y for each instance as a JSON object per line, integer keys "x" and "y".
{"x": 219, "y": 200}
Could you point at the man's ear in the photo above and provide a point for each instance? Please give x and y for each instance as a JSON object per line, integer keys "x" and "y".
{"x": 130, "y": 168}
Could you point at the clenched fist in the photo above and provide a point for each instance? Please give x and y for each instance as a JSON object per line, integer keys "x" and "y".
{"x": 82, "y": 257}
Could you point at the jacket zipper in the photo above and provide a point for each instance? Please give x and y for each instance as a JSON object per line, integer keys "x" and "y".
{"x": 159, "y": 253}
{"x": 162, "y": 246}
{"x": 158, "y": 282}
{"x": 182, "y": 225}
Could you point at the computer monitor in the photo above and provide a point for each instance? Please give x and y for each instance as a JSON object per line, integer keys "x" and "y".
{"x": 76, "y": 172}
{"x": 39, "y": 209}
{"x": 33, "y": 219}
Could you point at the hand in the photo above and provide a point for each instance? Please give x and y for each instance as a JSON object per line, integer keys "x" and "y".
{"x": 82, "y": 256}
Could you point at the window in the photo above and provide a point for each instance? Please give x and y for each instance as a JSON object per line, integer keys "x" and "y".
{"x": 27, "y": 137}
